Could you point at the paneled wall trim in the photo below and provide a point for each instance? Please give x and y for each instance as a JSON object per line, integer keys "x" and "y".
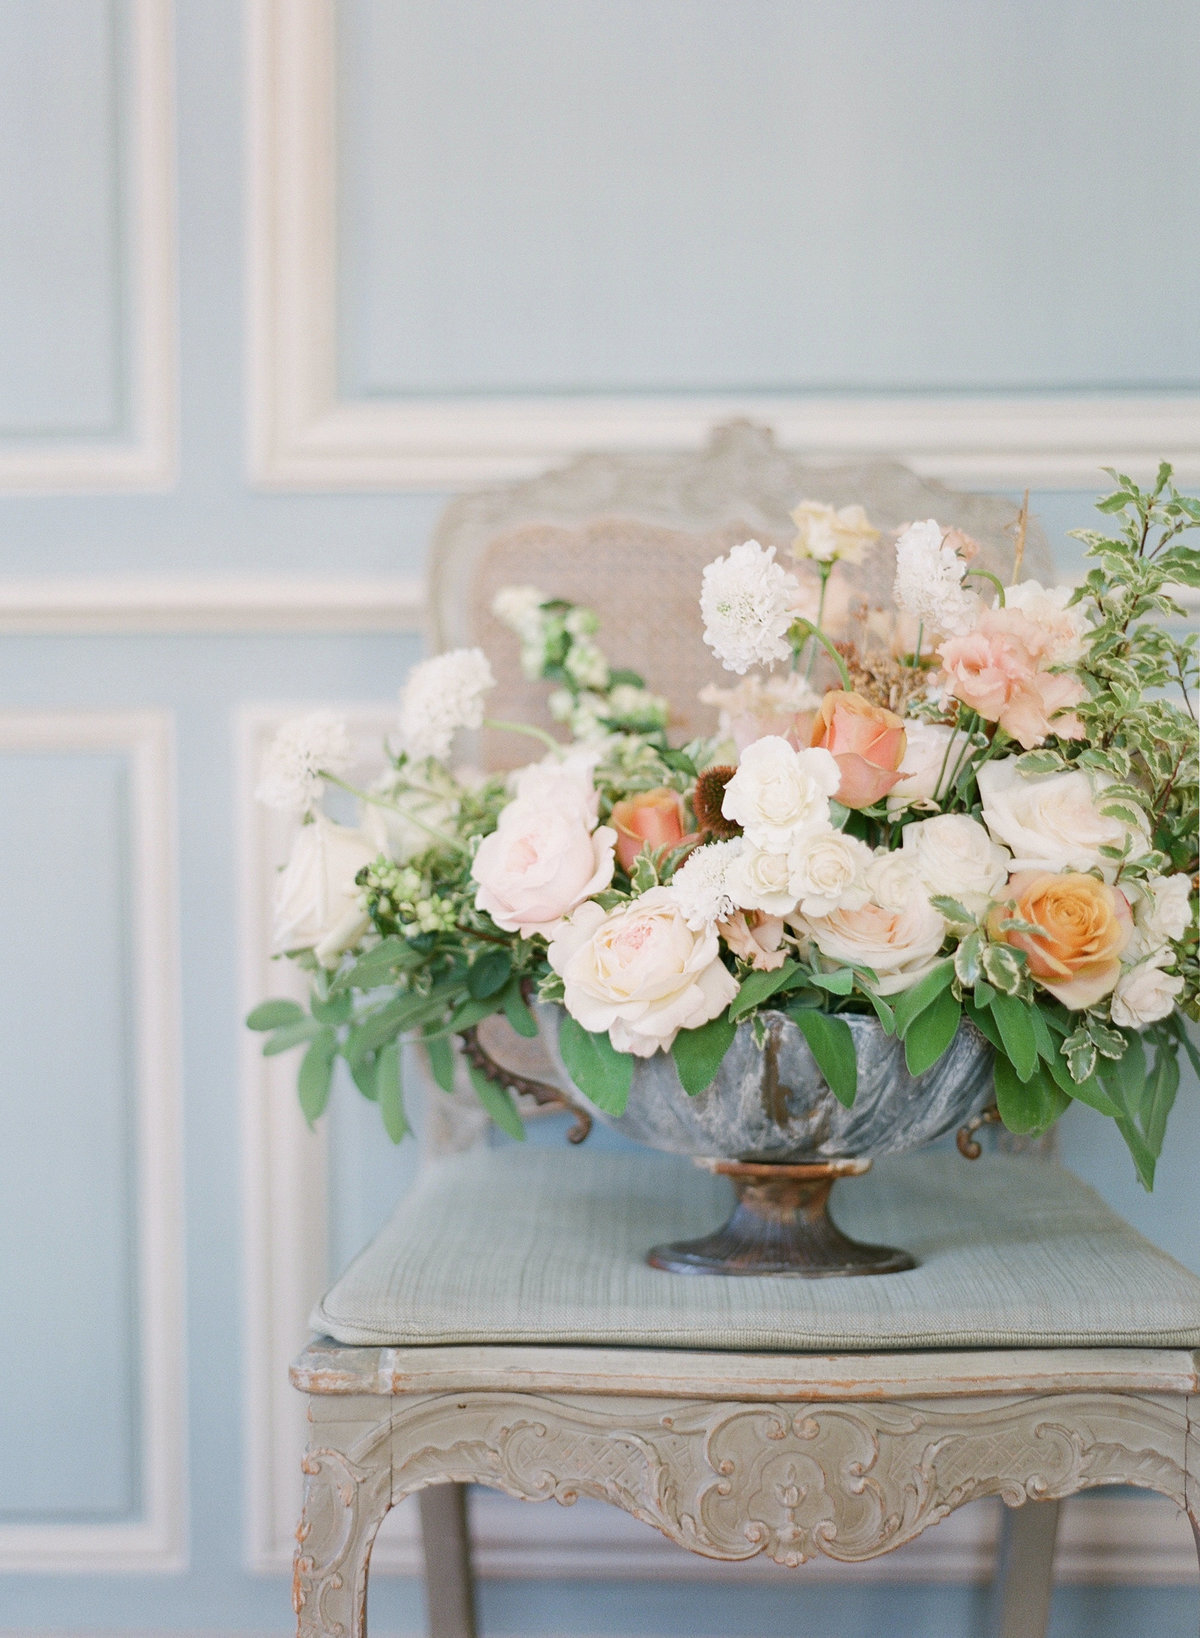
{"x": 302, "y": 435}
{"x": 157, "y": 1540}
{"x": 1104, "y": 1539}
{"x": 144, "y": 459}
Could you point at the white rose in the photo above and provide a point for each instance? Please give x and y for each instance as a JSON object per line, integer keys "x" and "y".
{"x": 892, "y": 881}
{"x": 317, "y": 902}
{"x": 1145, "y": 993}
{"x": 542, "y": 860}
{"x": 827, "y": 872}
{"x": 931, "y": 754}
{"x": 778, "y": 793}
{"x": 759, "y": 880}
{"x": 640, "y": 972}
{"x": 954, "y": 855}
{"x": 1162, "y": 913}
{"x": 1052, "y": 821}
{"x": 900, "y": 945}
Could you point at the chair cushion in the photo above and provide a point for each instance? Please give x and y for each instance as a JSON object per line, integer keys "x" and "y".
{"x": 542, "y": 1245}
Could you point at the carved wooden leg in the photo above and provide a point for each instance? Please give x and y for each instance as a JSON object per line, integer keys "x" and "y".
{"x": 1024, "y": 1571}
{"x": 344, "y": 1503}
{"x": 446, "y": 1538}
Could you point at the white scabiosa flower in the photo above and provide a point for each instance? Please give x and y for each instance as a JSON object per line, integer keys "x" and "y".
{"x": 302, "y": 750}
{"x": 703, "y": 884}
{"x": 747, "y": 602}
{"x": 929, "y": 575}
{"x": 441, "y": 696}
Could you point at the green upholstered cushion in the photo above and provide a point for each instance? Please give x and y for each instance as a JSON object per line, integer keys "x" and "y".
{"x": 544, "y": 1245}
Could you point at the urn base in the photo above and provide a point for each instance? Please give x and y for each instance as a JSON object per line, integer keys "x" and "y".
{"x": 781, "y": 1225}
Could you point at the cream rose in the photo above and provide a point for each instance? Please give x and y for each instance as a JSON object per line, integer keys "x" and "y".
{"x": 827, "y": 872}
{"x": 930, "y": 757}
{"x": 640, "y": 972}
{"x": 829, "y": 534}
{"x": 544, "y": 858}
{"x": 317, "y": 902}
{"x": 954, "y": 855}
{"x": 1052, "y": 821}
{"x": 1162, "y": 913}
{"x": 1145, "y": 993}
{"x": 759, "y": 880}
{"x": 897, "y": 932}
{"x": 778, "y": 792}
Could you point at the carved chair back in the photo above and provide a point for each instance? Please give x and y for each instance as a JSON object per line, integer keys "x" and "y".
{"x": 629, "y": 536}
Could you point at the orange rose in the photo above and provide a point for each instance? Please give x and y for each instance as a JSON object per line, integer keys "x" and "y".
{"x": 1085, "y": 926}
{"x": 867, "y": 743}
{"x": 650, "y": 816}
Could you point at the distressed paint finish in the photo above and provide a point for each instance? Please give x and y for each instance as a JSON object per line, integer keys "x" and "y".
{"x": 820, "y": 1461}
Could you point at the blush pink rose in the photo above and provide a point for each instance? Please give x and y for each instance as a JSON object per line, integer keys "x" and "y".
{"x": 998, "y": 670}
{"x": 653, "y": 817}
{"x": 866, "y": 741}
{"x": 540, "y": 863}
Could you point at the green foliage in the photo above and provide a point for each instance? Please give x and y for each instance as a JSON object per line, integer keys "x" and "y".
{"x": 758, "y": 986}
{"x": 930, "y": 1032}
{"x": 599, "y": 1071}
{"x": 389, "y": 1092}
{"x": 698, "y": 1052}
{"x": 498, "y": 1102}
{"x": 831, "y": 1043}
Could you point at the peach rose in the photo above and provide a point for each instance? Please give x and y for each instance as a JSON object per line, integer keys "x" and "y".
{"x": 866, "y": 742}
{"x": 997, "y": 670}
{"x": 755, "y": 937}
{"x": 1085, "y": 926}
{"x": 654, "y": 817}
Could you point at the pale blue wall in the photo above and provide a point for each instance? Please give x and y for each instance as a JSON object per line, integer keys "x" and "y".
{"x": 730, "y": 195}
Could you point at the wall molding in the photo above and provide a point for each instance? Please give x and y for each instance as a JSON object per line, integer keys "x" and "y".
{"x": 303, "y": 436}
{"x": 157, "y": 1541}
{"x": 112, "y": 605}
{"x": 285, "y": 1200}
{"x": 146, "y": 459}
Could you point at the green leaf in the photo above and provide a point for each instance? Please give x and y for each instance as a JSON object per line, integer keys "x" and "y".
{"x": 758, "y": 987}
{"x": 335, "y": 1009}
{"x": 1027, "y": 1106}
{"x": 469, "y": 1012}
{"x": 1047, "y": 1041}
{"x": 516, "y": 1011}
{"x": 441, "y": 1061}
{"x": 292, "y": 1035}
{"x": 601, "y": 1073}
{"x": 831, "y": 1043}
{"x": 1080, "y": 1052}
{"x": 955, "y": 913}
{"x": 840, "y": 982}
{"x": 362, "y": 1072}
{"x": 1159, "y": 1097}
{"x": 1003, "y": 968}
{"x": 883, "y": 1012}
{"x": 389, "y": 1090}
{"x": 931, "y": 1032}
{"x": 316, "y": 1074}
{"x": 911, "y": 1003}
{"x": 967, "y": 965}
{"x": 274, "y": 1014}
{"x": 1017, "y": 1033}
{"x": 498, "y": 1103}
{"x": 378, "y": 966}
{"x": 698, "y": 1052}
{"x": 489, "y": 974}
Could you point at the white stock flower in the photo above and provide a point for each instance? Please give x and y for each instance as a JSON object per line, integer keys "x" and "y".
{"x": 301, "y": 751}
{"x": 520, "y": 609}
{"x": 1145, "y": 993}
{"x": 1162, "y": 913}
{"x": 929, "y": 574}
{"x": 703, "y": 884}
{"x": 640, "y": 972}
{"x": 778, "y": 792}
{"x": 954, "y": 855}
{"x": 1053, "y": 821}
{"x": 586, "y": 665}
{"x": 761, "y": 880}
{"x": 747, "y": 602}
{"x": 931, "y": 755}
{"x": 829, "y": 535}
{"x": 317, "y": 902}
{"x": 441, "y": 696}
{"x": 827, "y": 872}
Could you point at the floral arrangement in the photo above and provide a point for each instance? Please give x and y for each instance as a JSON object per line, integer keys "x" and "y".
{"x": 990, "y": 815}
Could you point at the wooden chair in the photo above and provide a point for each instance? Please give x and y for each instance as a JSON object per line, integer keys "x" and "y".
{"x": 843, "y": 1451}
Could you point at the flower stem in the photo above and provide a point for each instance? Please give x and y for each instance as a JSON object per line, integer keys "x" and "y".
{"x": 451, "y": 842}
{"x": 809, "y": 631}
{"x": 524, "y": 728}
{"x": 986, "y": 574}
{"x": 824, "y": 569}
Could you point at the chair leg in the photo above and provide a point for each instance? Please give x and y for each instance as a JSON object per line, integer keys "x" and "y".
{"x": 1024, "y": 1571}
{"x": 446, "y": 1538}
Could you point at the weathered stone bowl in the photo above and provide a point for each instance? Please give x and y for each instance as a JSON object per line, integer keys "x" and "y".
{"x": 771, "y": 1102}
{"x": 770, "y": 1122}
